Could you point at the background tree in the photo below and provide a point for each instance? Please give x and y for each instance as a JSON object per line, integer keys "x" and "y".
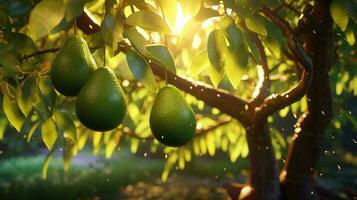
{"x": 238, "y": 62}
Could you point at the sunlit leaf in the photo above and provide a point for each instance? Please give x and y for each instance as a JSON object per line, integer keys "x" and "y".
{"x": 148, "y": 20}
{"x": 169, "y": 8}
{"x": 141, "y": 69}
{"x": 74, "y": 8}
{"x": 69, "y": 150}
{"x": 134, "y": 144}
{"x": 338, "y": 10}
{"x": 350, "y": 37}
{"x": 256, "y": 25}
{"x": 44, "y": 17}
{"x": 32, "y": 131}
{"x": 3, "y": 125}
{"x": 65, "y": 123}
{"x": 199, "y": 63}
{"x": 215, "y": 41}
{"x": 48, "y": 94}
{"x": 49, "y": 133}
{"x": 252, "y": 47}
{"x": 190, "y": 7}
{"x": 181, "y": 159}
{"x": 27, "y": 94}
{"x": 214, "y": 76}
{"x": 13, "y": 113}
{"x": 203, "y": 145}
{"x": 112, "y": 144}
{"x": 196, "y": 146}
{"x": 46, "y": 163}
{"x": 211, "y": 145}
{"x": 162, "y": 54}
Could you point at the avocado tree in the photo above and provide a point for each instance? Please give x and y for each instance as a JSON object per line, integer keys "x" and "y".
{"x": 237, "y": 62}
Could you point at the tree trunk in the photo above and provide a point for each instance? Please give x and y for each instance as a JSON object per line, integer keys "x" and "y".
{"x": 297, "y": 177}
{"x": 263, "y": 183}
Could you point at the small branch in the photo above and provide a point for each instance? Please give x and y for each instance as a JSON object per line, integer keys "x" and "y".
{"x": 276, "y": 102}
{"x": 53, "y": 50}
{"x": 261, "y": 90}
{"x": 213, "y": 127}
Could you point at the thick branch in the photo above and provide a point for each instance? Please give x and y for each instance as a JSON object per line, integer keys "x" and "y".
{"x": 279, "y": 101}
{"x": 215, "y": 97}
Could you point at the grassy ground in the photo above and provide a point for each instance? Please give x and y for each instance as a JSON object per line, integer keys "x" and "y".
{"x": 123, "y": 177}
{"x": 136, "y": 177}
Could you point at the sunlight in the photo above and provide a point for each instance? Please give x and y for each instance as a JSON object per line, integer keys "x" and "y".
{"x": 196, "y": 41}
{"x": 181, "y": 20}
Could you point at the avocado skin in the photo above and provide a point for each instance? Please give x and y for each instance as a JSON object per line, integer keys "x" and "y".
{"x": 101, "y": 104}
{"x": 172, "y": 120}
{"x": 72, "y": 66}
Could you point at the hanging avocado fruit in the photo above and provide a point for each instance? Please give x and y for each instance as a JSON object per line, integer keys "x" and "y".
{"x": 172, "y": 120}
{"x": 72, "y": 66}
{"x": 101, "y": 105}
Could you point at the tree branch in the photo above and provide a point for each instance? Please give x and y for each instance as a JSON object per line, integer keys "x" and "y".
{"x": 213, "y": 127}
{"x": 215, "y": 97}
{"x": 276, "y": 102}
{"x": 261, "y": 90}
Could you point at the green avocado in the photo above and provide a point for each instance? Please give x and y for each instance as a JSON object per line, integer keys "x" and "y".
{"x": 172, "y": 120}
{"x": 101, "y": 104}
{"x": 72, "y": 66}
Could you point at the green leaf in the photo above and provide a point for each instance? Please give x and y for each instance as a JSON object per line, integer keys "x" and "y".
{"x": 8, "y": 59}
{"x": 256, "y": 25}
{"x": 22, "y": 43}
{"x": 112, "y": 29}
{"x": 65, "y": 123}
{"x": 32, "y": 131}
{"x": 16, "y": 8}
{"x": 148, "y": 20}
{"x": 137, "y": 40}
{"x": 211, "y": 145}
{"x": 13, "y": 113}
{"x": 69, "y": 150}
{"x": 214, "y": 44}
{"x": 199, "y": 63}
{"x": 44, "y": 17}
{"x": 169, "y": 9}
{"x": 252, "y": 47}
{"x": 27, "y": 94}
{"x": 142, "y": 5}
{"x": 46, "y": 163}
{"x": 215, "y": 77}
{"x": 141, "y": 69}
{"x": 350, "y": 37}
{"x": 49, "y": 133}
{"x": 234, "y": 36}
{"x": 3, "y": 125}
{"x": 134, "y": 144}
{"x": 339, "y": 13}
{"x": 190, "y": 7}
{"x": 74, "y": 8}
{"x": 47, "y": 91}
{"x": 162, "y": 55}
{"x": 234, "y": 63}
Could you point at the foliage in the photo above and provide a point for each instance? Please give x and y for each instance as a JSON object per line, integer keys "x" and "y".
{"x": 201, "y": 40}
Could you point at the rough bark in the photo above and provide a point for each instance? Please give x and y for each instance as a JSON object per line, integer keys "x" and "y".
{"x": 297, "y": 176}
{"x": 263, "y": 183}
